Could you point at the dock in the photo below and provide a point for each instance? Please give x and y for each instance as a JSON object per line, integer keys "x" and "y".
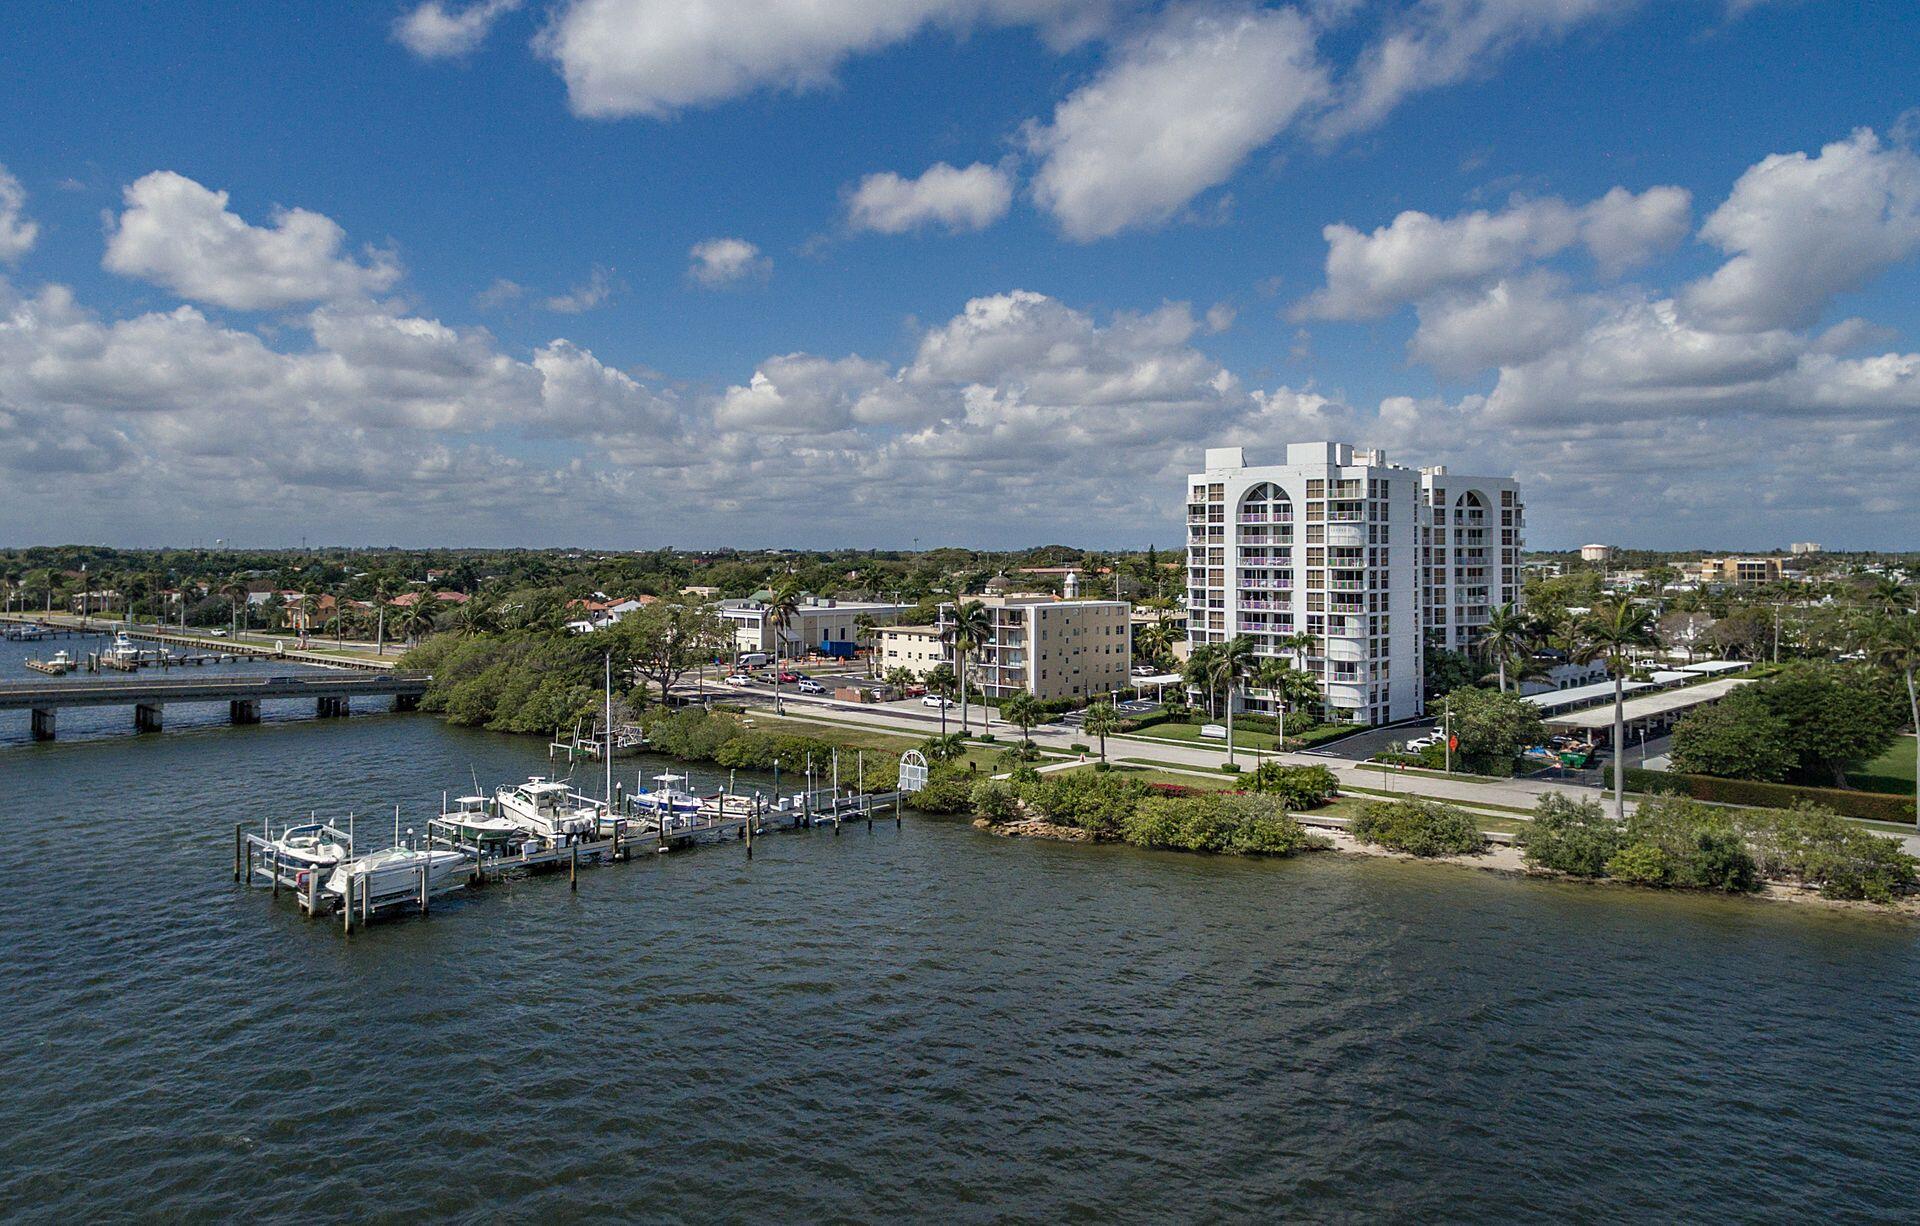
{"x": 623, "y": 833}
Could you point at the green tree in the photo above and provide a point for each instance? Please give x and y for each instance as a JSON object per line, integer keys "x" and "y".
{"x": 1836, "y": 716}
{"x": 666, "y": 640}
{"x": 1493, "y": 728}
{"x": 1614, "y": 631}
{"x": 969, "y": 631}
{"x": 1508, "y": 636}
{"x": 782, "y": 606}
{"x": 1894, "y": 641}
{"x": 1738, "y": 737}
{"x": 1287, "y": 686}
{"x": 1102, "y": 720}
{"x": 1023, "y": 711}
{"x": 1570, "y": 836}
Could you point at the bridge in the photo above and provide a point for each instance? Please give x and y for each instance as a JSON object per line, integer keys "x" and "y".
{"x": 243, "y": 696}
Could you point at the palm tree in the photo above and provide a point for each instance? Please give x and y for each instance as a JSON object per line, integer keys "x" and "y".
{"x": 1102, "y": 720}
{"x": 864, "y": 628}
{"x": 969, "y": 631}
{"x": 1287, "y": 685}
{"x": 782, "y": 606}
{"x": 1156, "y": 642}
{"x": 1022, "y": 710}
{"x": 382, "y": 594}
{"x": 418, "y": 621}
{"x": 236, "y": 593}
{"x": 1613, "y": 630}
{"x": 1895, "y": 641}
{"x": 1199, "y": 671}
{"x": 473, "y": 617}
{"x": 945, "y": 747}
{"x": 1237, "y": 658}
{"x": 1507, "y": 636}
{"x": 940, "y": 683}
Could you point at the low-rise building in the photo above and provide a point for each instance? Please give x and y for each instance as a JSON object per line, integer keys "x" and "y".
{"x": 1741, "y": 572}
{"x": 1052, "y": 648}
{"x": 915, "y": 648}
{"x": 820, "y": 624}
{"x": 1802, "y": 548}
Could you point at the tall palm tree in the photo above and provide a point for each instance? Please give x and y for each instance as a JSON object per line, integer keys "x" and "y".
{"x": 1102, "y": 720}
{"x": 1612, "y": 631}
{"x": 418, "y": 620}
{"x": 864, "y": 629}
{"x": 236, "y": 593}
{"x": 1199, "y": 671}
{"x": 1507, "y": 636}
{"x": 1895, "y": 641}
{"x": 782, "y": 606}
{"x": 970, "y": 630}
{"x": 1022, "y": 710}
{"x": 1228, "y": 668}
{"x": 1287, "y": 685}
{"x": 382, "y": 595}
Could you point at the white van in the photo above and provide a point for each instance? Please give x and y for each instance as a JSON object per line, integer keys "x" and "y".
{"x": 752, "y": 659}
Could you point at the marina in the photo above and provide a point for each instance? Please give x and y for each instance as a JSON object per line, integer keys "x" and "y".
{"x": 524, "y": 828}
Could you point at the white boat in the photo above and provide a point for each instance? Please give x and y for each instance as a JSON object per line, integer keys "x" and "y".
{"x": 471, "y": 820}
{"x": 123, "y": 649}
{"x": 314, "y": 847}
{"x": 394, "y": 874}
{"x": 667, "y": 798}
{"x": 546, "y": 807}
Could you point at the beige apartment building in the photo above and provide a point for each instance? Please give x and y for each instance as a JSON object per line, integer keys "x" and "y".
{"x": 1741, "y": 572}
{"x": 1041, "y": 645}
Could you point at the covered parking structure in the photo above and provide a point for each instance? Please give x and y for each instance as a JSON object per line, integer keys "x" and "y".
{"x": 1651, "y": 714}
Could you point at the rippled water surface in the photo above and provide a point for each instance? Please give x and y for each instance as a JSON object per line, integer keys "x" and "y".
{"x": 899, "y": 1023}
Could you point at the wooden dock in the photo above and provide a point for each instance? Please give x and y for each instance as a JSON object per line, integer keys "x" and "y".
{"x": 741, "y": 819}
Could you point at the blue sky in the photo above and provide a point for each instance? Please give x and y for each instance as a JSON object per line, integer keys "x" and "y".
{"x": 485, "y": 322}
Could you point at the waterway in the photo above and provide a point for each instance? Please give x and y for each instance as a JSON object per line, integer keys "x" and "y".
{"x": 918, "y": 1022}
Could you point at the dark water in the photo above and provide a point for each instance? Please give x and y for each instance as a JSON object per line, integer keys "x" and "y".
{"x": 913, "y": 1023}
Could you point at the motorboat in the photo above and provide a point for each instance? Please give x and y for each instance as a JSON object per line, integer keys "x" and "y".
{"x": 124, "y": 649}
{"x": 57, "y": 665}
{"x": 666, "y": 798}
{"x": 471, "y": 820}
{"x": 394, "y": 874}
{"x": 546, "y": 807}
{"x": 314, "y": 847}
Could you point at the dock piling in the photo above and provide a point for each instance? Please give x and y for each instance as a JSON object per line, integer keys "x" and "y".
{"x": 573, "y": 870}
{"x": 239, "y": 844}
{"x": 346, "y": 904}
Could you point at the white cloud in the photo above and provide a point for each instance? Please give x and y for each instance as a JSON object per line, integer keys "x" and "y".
{"x": 432, "y": 31}
{"x": 656, "y": 57}
{"x": 1801, "y": 230}
{"x": 587, "y": 295}
{"x": 1175, "y": 111}
{"x": 17, "y": 231}
{"x": 722, "y": 261}
{"x": 969, "y": 199}
{"x": 1512, "y": 321}
{"x": 803, "y": 394}
{"x": 1440, "y": 42}
{"x": 499, "y": 294}
{"x": 178, "y": 234}
{"x": 1418, "y": 255}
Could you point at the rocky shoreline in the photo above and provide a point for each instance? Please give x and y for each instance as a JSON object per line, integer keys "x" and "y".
{"x": 1498, "y": 858}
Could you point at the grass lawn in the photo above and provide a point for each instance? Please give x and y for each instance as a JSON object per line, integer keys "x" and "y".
{"x": 1891, "y": 772}
{"x": 1190, "y": 734}
{"x": 981, "y": 757}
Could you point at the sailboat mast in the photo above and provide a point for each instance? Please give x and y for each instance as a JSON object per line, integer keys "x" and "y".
{"x": 607, "y": 752}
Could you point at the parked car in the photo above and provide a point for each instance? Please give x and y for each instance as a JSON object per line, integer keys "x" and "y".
{"x": 789, "y": 678}
{"x": 809, "y": 686}
{"x": 936, "y": 702}
{"x": 1421, "y": 742}
{"x": 739, "y": 679}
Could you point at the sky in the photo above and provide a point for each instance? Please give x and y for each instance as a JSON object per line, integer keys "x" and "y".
{"x": 887, "y": 273}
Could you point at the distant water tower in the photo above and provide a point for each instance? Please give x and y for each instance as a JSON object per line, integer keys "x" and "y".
{"x": 1072, "y": 585}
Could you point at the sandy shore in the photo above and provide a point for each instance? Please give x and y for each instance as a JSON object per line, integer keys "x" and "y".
{"x": 1498, "y": 858}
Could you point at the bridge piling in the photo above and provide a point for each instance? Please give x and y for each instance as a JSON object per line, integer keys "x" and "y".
{"x": 147, "y": 717}
{"x": 43, "y": 723}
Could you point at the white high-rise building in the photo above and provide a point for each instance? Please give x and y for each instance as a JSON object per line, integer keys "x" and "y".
{"x": 1366, "y": 558}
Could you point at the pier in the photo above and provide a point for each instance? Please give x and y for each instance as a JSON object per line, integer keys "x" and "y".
{"x": 624, "y": 831}
{"x": 243, "y": 696}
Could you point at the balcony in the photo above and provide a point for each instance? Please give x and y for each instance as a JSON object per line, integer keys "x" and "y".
{"x": 1347, "y": 536}
{"x": 1257, "y": 602}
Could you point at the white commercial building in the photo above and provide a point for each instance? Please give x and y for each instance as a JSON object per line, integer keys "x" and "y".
{"x": 1369, "y": 559}
{"x": 824, "y": 625}
{"x": 1039, "y": 645}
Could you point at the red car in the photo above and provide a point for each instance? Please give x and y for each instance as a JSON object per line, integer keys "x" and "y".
{"x": 789, "y": 678}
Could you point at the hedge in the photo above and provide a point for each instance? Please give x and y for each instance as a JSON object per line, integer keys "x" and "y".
{"x": 1870, "y": 806}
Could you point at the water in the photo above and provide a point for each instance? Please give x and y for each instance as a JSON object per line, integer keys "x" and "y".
{"x": 915, "y": 1022}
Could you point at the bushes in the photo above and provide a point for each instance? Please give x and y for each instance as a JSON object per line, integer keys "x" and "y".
{"x": 1570, "y": 836}
{"x": 521, "y": 682}
{"x": 1099, "y": 803}
{"x": 995, "y": 801}
{"x": 1418, "y": 827}
{"x": 1872, "y": 806}
{"x": 1219, "y": 823}
{"x": 1702, "y": 847}
{"x": 1298, "y": 787}
{"x": 1817, "y": 847}
{"x": 949, "y": 790}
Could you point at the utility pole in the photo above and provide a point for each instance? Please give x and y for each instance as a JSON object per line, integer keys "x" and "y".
{"x": 1446, "y": 729}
